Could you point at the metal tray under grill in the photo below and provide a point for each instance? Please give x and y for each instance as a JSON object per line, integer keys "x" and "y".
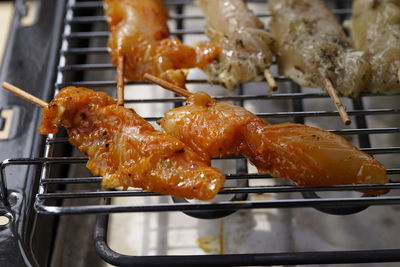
{"x": 83, "y": 55}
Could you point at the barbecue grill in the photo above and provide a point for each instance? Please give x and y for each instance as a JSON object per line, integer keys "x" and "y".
{"x": 67, "y": 46}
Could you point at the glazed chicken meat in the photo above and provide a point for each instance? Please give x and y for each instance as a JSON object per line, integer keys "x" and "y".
{"x": 306, "y": 155}
{"x": 311, "y": 45}
{"x": 246, "y": 45}
{"x": 140, "y": 34}
{"x": 125, "y": 149}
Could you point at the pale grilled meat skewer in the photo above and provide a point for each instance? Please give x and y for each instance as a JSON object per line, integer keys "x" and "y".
{"x": 311, "y": 45}
{"x": 375, "y": 28}
{"x": 307, "y": 155}
{"x": 246, "y": 45}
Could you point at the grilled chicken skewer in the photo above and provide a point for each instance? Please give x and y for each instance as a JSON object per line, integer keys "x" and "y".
{"x": 375, "y": 28}
{"x": 139, "y": 33}
{"x": 124, "y": 148}
{"x": 313, "y": 50}
{"x": 311, "y": 45}
{"x": 246, "y": 46}
{"x": 306, "y": 155}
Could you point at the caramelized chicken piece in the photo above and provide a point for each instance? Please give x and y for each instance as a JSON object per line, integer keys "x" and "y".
{"x": 246, "y": 46}
{"x": 311, "y": 45}
{"x": 125, "y": 149}
{"x": 375, "y": 28}
{"x": 139, "y": 32}
{"x": 306, "y": 155}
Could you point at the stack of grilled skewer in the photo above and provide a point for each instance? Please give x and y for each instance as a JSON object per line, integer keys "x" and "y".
{"x": 310, "y": 47}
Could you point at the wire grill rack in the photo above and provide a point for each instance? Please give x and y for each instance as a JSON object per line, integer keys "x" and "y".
{"x": 76, "y": 44}
{"x": 80, "y": 34}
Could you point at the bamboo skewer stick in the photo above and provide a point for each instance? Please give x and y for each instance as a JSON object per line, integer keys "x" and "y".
{"x": 120, "y": 80}
{"x": 21, "y": 93}
{"x": 336, "y": 100}
{"x": 169, "y": 86}
{"x": 185, "y": 93}
{"x": 270, "y": 80}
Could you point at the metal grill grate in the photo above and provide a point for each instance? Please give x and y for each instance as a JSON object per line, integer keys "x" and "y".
{"x": 78, "y": 44}
{"x": 83, "y": 42}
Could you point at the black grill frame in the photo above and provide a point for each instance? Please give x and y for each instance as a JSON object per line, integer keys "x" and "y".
{"x": 259, "y": 259}
{"x": 298, "y": 114}
{"x": 331, "y": 205}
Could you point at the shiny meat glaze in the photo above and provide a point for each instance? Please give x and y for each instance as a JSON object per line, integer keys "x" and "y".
{"x": 306, "y": 155}
{"x": 375, "y": 28}
{"x": 139, "y": 32}
{"x": 246, "y": 46}
{"x": 310, "y": 45}
{"x": 212, "y": 129}
{"x": 125, "y": 149}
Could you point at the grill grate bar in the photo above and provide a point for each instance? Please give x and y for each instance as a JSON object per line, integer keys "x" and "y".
{"x": 85, "y": 50}
{"x": 235, "y": 98}
{"x": 91, "y": 194}
{"x": 67, "y": 160}
{"x": 225, "y": 190}
{"x": 105, "y": 34}
{"x": 83, "y": 180}
{"x": 93, "y": 34}
{"x": 302, "y": 114}
{"x": 98, "y": 179}
{"x": 113, "y": 83}
{"x": 387, "y": 150}
{"x": 86, "y": 19}
{"x": 58, "y": 140}
{"x": 85, "y": 4}
{"x": 237, "y": 205}
{"x": 106, "y": 66}
{"x": 99, "y": 4}
{"x": 102, "y": 19}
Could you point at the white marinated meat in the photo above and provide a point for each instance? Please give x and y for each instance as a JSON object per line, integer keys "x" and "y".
{"x": 311, "y": 45}
{"x": 375, "y": 28}
{"x": 246, "y": 45}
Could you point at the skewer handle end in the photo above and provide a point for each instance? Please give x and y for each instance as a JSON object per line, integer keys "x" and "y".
{"x": 167, "y": 85}
{"x": 270, "y": 80}
{"x": 336, "y": 100}
{"x": 21, "y": 93}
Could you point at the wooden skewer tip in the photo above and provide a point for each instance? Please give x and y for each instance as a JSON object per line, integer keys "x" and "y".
{"x": 167, "y": 85}
{"x": 120, "y": 80}
{"x": 21, "y": 93}
{"x": 336, "y": 100}
{"x": 270, "y": 80}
